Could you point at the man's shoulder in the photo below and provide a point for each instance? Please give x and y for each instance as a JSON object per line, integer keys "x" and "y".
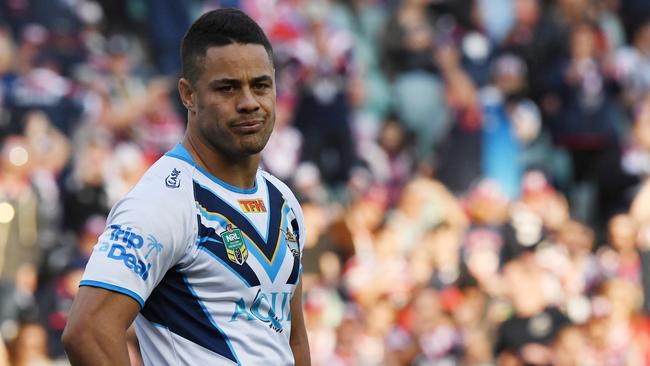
{"x": 167, "y": 179}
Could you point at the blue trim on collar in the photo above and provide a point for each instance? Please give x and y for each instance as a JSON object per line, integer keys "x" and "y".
{"x": 180, "y": 152}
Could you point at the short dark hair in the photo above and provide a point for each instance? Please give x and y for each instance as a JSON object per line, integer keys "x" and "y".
{"x": 219, "y": 27}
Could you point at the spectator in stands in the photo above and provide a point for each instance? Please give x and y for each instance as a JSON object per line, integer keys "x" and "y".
{"x": 620, "y": 258}
{"x": 538, "y": 38}
{"x": 410, "y": 41}
{"x": 17, "y": 303}
{"x": 572, "y": 347}
{"x": 511, "y": 125}
{"x": 589, "y": 121}
{"x": 427, "y": 333}
{"x": 526, "y": 336}
{"x": 7, "y": 73}
{"x": 545, "y": 201}
{"x": 633, "y": 67}
{"x": 322, "y": 110}
{"x": 55, "y": 301}
{"x": 463, "y": 141}
{"x": 19, "y": 209}
{"x": 30, "y": 346}
{"x": 160, "y": 127}
{"x": 611, "y": 327}
{"x": 636, "y": 156}
{"x": 580, "y": 273}
{"x": 42, "y": 87}
{"x": 83, "y": 190}
{"x": 470, "y": 315}
{"x": 399, "y": 159}
{"x": 123, "y": 89}
{"x": 49, "y": 152}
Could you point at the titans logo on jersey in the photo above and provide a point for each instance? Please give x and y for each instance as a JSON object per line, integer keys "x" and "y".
{"x": 214, "y": 267}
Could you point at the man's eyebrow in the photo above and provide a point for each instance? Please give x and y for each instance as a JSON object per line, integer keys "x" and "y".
{"x": 225, "y": 81}
{"x": 263, "y": 78}
{"x": 230, "y": 81}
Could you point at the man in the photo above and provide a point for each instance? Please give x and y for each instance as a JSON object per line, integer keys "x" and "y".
{"x": 204, "y": 253}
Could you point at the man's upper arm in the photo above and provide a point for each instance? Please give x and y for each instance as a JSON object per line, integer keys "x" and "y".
{"x": 107, "y": 309}
{"x": 96, "y": 330}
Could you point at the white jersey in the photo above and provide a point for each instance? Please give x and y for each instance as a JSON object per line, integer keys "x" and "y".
{"x": 214, "y": 267}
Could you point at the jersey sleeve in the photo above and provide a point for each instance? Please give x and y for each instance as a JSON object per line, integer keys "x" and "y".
{"x": 144, "y": 237}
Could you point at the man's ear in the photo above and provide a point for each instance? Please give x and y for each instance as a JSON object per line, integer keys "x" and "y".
{"x": 187, "y": 93}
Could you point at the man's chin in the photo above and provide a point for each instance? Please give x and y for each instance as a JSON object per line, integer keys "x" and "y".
{"x": 253, "y": 150}
{"x": 253, "y": 146}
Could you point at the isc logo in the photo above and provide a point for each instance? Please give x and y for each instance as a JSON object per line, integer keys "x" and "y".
{"x": 173, "y": 180}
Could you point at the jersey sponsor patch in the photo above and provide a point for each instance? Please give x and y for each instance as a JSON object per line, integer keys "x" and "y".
{"x": 124, "y": 245}
{"x": 252, "y": 206}
{"x": 235, "y": 246}
{"x": 265, "y": 307}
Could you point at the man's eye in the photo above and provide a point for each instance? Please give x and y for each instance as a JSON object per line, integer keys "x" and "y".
{"x": 225, "y": 88}
{"x": 263, "y": 86}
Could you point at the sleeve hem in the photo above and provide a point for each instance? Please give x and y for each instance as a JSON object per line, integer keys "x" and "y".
{"x": 114, "y": 288}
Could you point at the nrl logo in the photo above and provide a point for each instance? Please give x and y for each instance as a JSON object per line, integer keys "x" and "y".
{"x": 172, "y": 180}
{"x": 234, "y": 243}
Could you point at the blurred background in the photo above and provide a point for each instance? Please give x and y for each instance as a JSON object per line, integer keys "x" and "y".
{"x": 473, "y": 173}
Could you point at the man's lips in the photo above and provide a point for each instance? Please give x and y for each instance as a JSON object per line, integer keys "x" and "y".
{"x": 246, "y": 127}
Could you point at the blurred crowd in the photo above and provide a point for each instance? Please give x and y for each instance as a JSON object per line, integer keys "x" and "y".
{"x": 473, "y": 173}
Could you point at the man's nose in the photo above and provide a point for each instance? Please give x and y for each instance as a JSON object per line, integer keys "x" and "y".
{"x": 247, "y": 102}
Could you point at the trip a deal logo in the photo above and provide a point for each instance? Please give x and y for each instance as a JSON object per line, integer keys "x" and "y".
{"x": 126, "y": 244}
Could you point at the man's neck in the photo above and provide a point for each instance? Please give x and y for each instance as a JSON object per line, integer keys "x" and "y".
{"x": 238, "y": 172}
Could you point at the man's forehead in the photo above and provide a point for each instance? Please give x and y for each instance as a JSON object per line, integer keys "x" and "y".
{"x": 241, "y": 54}
{"x": 236, "y": 61}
